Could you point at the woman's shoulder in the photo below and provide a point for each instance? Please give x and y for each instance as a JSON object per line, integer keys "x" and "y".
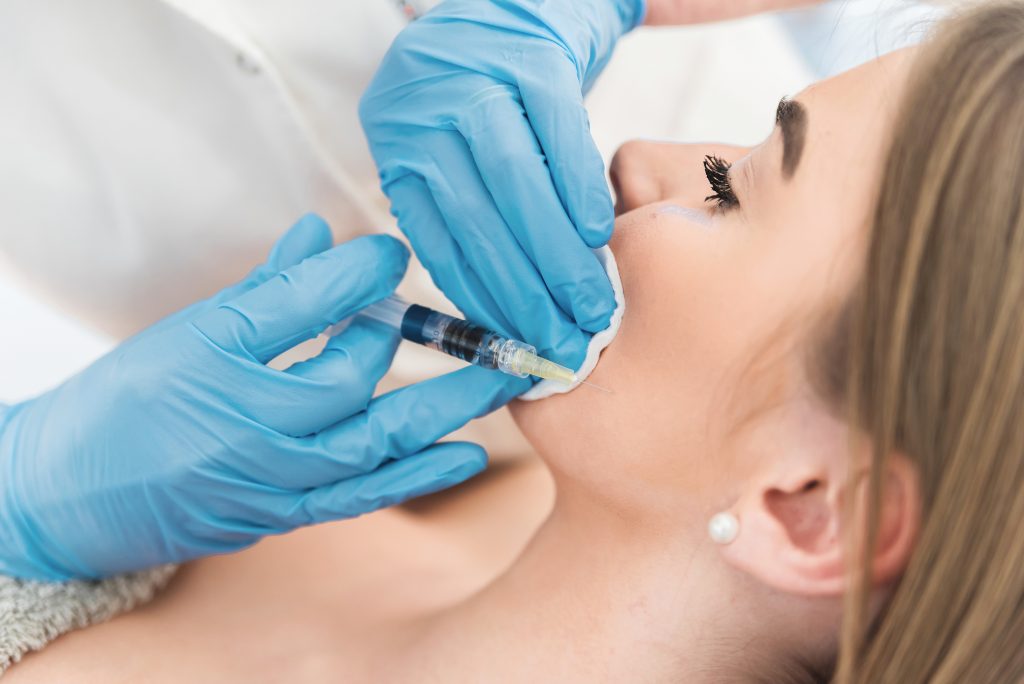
{"x": 320, "y": 598}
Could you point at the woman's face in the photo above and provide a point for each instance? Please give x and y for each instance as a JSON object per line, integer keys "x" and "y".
{"x": 708, "y": 369}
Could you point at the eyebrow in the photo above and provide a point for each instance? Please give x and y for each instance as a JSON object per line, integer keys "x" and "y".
{"x": 791, "y": 118}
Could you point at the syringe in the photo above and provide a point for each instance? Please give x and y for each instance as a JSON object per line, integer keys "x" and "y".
{"x": 463, "y": 340}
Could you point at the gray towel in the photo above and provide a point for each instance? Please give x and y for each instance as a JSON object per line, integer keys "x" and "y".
{"x": 32, "y": 614}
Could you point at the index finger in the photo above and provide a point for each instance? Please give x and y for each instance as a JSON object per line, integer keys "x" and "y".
{"x": 395, "y": 425}
{"x": 301, "y": 301}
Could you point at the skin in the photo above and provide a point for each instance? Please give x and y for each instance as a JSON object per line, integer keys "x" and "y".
{"x": 669, "y": 12}
{"x": 711, "y": 410}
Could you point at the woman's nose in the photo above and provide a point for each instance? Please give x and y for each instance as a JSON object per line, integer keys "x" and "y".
{"x": 645, "y": 172}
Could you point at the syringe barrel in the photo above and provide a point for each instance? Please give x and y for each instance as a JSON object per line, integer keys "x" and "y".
{"x": 463, "y": 340}
{"x": 453, "y": 336}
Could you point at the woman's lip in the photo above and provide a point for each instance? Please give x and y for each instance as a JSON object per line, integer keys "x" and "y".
{"x": 694, "y": 215}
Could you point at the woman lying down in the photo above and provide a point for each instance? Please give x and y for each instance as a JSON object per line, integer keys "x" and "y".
{"x": 810, "y": 467}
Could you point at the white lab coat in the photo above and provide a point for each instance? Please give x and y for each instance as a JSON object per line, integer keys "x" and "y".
{"x": 153, "y": 150}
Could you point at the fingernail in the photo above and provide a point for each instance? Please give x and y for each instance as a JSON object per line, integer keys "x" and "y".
{"x": 597, "y": 236}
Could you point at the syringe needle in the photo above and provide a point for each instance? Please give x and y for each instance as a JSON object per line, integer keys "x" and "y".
{"x": 590, "y": 384}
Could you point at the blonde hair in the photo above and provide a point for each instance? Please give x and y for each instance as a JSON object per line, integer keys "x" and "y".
{"x": 934, "y": 364}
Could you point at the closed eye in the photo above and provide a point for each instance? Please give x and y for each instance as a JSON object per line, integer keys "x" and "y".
{"x": 717, "y": 171}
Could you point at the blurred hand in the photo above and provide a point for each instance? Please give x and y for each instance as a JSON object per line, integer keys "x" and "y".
{"x": 666, "y": 12}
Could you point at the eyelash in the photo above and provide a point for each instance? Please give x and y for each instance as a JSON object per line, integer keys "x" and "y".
{"x": 717, "y": 171}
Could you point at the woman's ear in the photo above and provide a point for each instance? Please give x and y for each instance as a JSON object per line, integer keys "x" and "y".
{"x": 792, "y": 525}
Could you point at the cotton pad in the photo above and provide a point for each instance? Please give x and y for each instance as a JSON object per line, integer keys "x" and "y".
{"x": 546, "y": 388}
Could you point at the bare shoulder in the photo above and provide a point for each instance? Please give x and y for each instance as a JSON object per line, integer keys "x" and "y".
{"x": 318, "y": 602}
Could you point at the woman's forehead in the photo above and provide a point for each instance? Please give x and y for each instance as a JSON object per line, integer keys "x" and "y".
{"x": 853, "y": 113}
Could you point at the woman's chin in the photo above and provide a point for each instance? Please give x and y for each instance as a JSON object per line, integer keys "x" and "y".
{"x": 524, "y": 414}
{"x": 546, "y": 423}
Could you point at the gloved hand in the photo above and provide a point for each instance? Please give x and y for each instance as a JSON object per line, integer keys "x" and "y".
{"x": 664, "y": 12}
{"x": 181, "y": 442}
{"x": 476, "y": 121}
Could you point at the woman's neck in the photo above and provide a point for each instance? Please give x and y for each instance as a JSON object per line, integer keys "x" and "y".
{"x": 595, "y": 595}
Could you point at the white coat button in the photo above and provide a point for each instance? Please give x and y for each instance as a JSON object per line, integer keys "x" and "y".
{"x": 247, "y": 64}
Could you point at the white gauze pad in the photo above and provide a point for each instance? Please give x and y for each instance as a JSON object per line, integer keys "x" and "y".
{"x": 545, "y": 388}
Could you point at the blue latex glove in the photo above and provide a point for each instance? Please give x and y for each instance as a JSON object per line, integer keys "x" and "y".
{"x": 476, "y": 121}
{"x": 182, "y": 443}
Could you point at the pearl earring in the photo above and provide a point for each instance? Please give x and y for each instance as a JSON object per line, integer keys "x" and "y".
{"x": 724, "y": 527}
